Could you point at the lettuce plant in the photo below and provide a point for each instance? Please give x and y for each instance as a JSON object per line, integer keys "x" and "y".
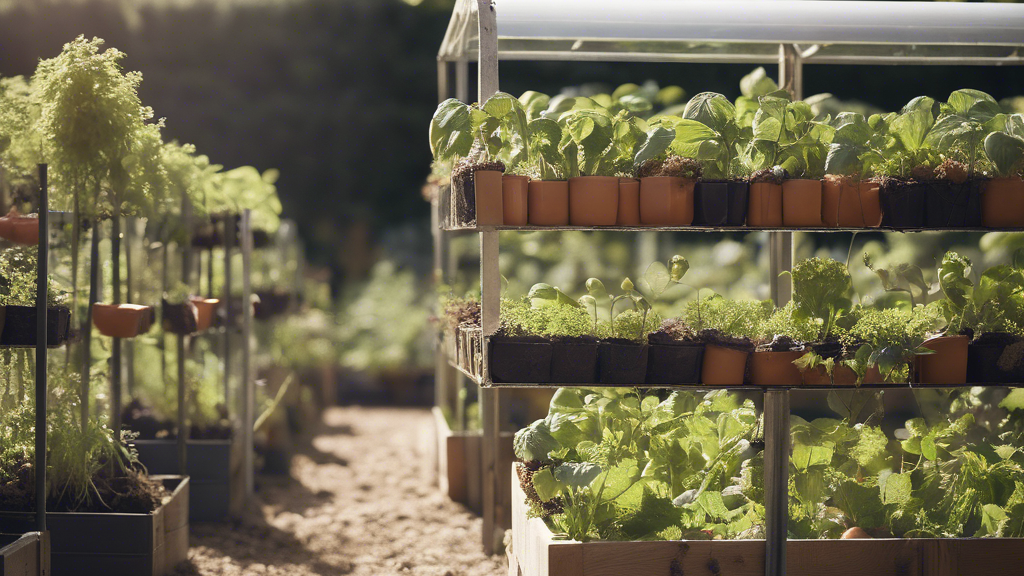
{"x": 1005, "y": 149}
{"x": 497, "y": 128}
{"x": 994, "y": 304}
{"x": 822, "y": 292}
{"x": 907, "y": 148}
{"x": 786, "y": 134}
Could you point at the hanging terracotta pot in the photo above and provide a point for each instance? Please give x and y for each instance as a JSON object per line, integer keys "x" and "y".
{"x": 489, "y": 201}
{"x": 629, "y": 202}
{"x": 121, "y": 320}
{"x": 206, "y": 311}
{"x": 948, "y": 365}
{"x": 801, "y": 203}
{"x": 1002, "y": 203}
{"x": 765, "y": 205}
{"x": 846, "y": 203}
{"x": 775, "y": 368}
{"x": 548, "y": 203}
{"x": 667, "y": 201}
{"x": 514, "y": 193}
{"x": 19, "y": 229}
{"x": 593, "y": 200}
{"x": 723, "y": 366}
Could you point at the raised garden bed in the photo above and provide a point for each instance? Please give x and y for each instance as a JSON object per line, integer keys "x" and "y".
{"x": 536, "y": 552}
{"x": 210, "y": 463}
{"x": 24, "y": 554}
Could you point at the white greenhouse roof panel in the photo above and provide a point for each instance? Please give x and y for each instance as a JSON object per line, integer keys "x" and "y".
{"x": 745, "y": 31}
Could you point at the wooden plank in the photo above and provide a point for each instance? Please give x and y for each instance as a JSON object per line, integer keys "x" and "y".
{"x": 21, "y": 557}
{"x": 888, "y": 557}
{"x": 733, "y": 557}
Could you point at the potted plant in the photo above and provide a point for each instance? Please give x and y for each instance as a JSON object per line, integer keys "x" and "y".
{"x": 765, "y": 205}
{"x": 571, "y": 331}
{"x": 518, "y": 353}
{"x": 122, "y": 320}
{"x": 786, "y": 134}
{"x": 587, "y": 136}
{"x": 666, "y": 190}
{"x": 709, "y": 132}
{"x": 890, "y": 340}
{"x": 675, "y": 350}
{"x": 726, "y": 327}
{"x": 780, "y": 343}
{"x": 507, "y": 122}
{"x": 622, "y": 352}
{"x": 988, "y": 310}
{"x": 1002, "y": 200}
{"x": 18, "y": 302}
{"x": 906, "y": 165}
{"x": 548, "y": 195}
{"x": 849, "y": 197}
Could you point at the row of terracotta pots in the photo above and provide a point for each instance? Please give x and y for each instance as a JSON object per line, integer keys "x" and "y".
{"x": 669, "y": 201}
{"x": 131, "y": 320}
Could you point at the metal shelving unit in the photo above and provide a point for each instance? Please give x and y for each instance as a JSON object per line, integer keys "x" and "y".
{"x": 788, "y": 33}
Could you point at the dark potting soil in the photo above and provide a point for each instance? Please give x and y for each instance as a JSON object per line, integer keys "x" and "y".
{"x": 780, "y": 344}
{"x": 828, "y": 349}
{"x": 464, "y": 188}
{"x": 131, "y": 493}
{"x": 719, "y": 338}
{"x": 573, "y": 360}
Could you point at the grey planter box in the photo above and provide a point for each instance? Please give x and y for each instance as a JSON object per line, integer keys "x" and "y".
{"x": 24, "y": 554}
{"x": 210, "y": 466}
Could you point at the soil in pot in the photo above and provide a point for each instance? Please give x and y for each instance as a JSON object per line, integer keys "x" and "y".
{"x": 765, "y": 205}
{"x": 772, "y": 364}
{"x": 180, "y": 318}
{"x": 574, "y": 360}
{"x": 629, "y": 202}
{"x": 19, "y": 326}
{"x": 711, "y": 203}
{"x": 903, "y": 203}
{"x": 801, "y": 203}
{"x": 672, "y": 361}
{"x": 666, "y": 201}
{"x": 130, "y": 493}
{"x": 593, "y": 200}
{"x": 548, "y": 203}
{"x": 954, "y": 205}
{"x": 847, "y": 203}
{"x": 520, "y": 359}
{"x": 995, "y": 358}
{"x": 725, "y": 359}
{"x": 621, "y": 361}
{"x": 514, "y": 194}
{"x": 476, "y": 188}
{"x": 1002, "y": 203}
{"x": 948, "y": 365}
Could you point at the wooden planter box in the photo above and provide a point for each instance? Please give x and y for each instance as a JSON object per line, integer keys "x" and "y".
{"x": 210, "y": 463}
{"x": 109, "y": 544}
{"x": 535, "y": 552}
{"x": 460, "y": 467}
{"x": 24, "y": 554}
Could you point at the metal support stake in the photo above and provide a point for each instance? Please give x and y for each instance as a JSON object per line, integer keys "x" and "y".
{"x": 186, "y": 269}
{"x": 42, "y": 283}
{"x": 248, "y": 385}
{"x": 115, "y": 353}
{"x": 776, "y": 480}
{"x": 229, "y": 324}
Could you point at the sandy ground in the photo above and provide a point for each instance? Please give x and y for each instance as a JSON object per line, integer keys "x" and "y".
{"x": 361, "y": 502}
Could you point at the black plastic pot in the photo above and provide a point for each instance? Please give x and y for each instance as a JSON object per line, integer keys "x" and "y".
{"x": 20, "y": 326}
{"x": 983, "y": 357}
{"x": 524, "y": 359}
{"x": 209, "y": 471}
{"x": 903, "y": 203}
{"x": 720, "y": 203}
{"x": 673, "y": 362}
{"x": 574, "y": 360}
{"x": 271, "y": 304}
{"x": 464, "y": 198}
{"x": 952, "y": 205}
{"x": 179, "y": 318}
{"x": 621, "y": 361}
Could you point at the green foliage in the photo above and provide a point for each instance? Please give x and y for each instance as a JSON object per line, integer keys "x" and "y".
{"x": 18, "y": 279}
{"x": 787, "y": 321}
{"x": 891, "y": 339}
{"x": 786, "y": 134}
{"x": 740, "y": 318}
{"x": 994, "y": 304}
{"x": 822, "y": 291}
{"x": 626, "y": 466}
{"x": 1005, "y": 149}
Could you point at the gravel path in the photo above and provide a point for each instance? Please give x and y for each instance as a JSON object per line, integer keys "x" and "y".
{"x": 362, "y": 503}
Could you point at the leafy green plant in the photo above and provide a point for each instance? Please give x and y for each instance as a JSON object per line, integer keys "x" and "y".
{"x": 822, "y": 292}
{"x": 907, "y": 148}
{"x": 891, "y": 338}
{"x": 789, "y": 323}
{"x": 994, "y": 304}
{"x": 786, "y": 134}
{"x": 739, "y": 318}
{"x": 901, "y": 277}
{"x": 708, "y": 131}
{"x": 1005, "y": 149}
{"x": 619, "y": 465}
{"x": 963, "y": 123}
{"x": 641, "y": 306}
{"x": 498, "y": 128}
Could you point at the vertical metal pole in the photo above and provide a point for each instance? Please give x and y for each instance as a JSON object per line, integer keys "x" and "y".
{"x": 186, "y": 269}
{"x": 462, "y": 80}
{"x": 490, "y": 288}
{"x": 442, "y": 371}
{"x": 248, "y": 391}
{"x": 42, "y": 281}
{"x": 776, "y": 479}
{"x": 129, "y": 361}
{"x": 229, "y": 324}
{"x": 115, "y": 353}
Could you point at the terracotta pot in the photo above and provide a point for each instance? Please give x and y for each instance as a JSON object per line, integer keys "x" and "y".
{"x": 489, "y": 201}
{"x": 19, "y": 229}
{"x": 1002, "y": 203}
{"x": 947, "y": 366}
{"x": 850, "y": 204}
{"x": 121, "y": 320}
{"x": 666, "y": 201}
{"x": 206, "y": 310}
{"x": 764, "y": 209}
{"x": 593, "y": 200}
{"x": 801, "y": 203}
{"x": 775, "y": 368}
{"x": 723, "y": 366}
{"x": 629, "y": 202}
{"x": 514, "y": 193}
{"x": 548, "y": 203}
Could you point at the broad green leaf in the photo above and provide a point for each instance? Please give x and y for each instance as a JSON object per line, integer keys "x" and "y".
{"x": 974, "y": 104}
{"x": 770, "y": 119}
{"x": 805, "y": 456}
{"x": 657, "y": 278}
{"x": 656, "y": 142}
{"x": 954, "y": 279}
{"x": 757, "y": 83}
{"x": 928, "y": 448}
{"x": 895, "y": 488}
{"x": 576, "y": 474}
{"x": 545, "y": 484}
{"x": 1014, "y": 400}
{"x": 534, "y": 442}
{"x": 711, "y": 109}
{"x": 534, "y": 103}
{"x": 842, "y": 159}
{"x": 852, "y": 129}
{"x": 1006, "y": 152}
{"x": 912, "y": 127}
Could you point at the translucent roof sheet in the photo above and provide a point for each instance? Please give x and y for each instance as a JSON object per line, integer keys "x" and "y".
{"x": 745, "y": 31}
